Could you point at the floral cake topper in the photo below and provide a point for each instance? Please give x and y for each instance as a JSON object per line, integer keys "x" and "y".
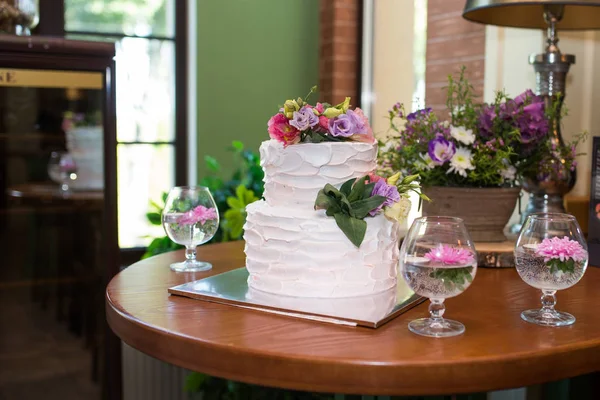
{"x": 298, "y": 121}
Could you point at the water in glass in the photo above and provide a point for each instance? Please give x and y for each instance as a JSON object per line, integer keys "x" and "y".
{"x": 190, "y": 218}
{"x": 438, "y": 261}
{"x": 550, "y": 255}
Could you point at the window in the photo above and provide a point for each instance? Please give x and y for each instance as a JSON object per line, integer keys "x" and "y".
{"x": 150, "y": 37}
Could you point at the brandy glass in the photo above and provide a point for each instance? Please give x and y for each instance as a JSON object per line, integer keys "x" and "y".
{"x": 62, "y": 169}
{"x": 190, "y": 218}
{"x": 438, "y": 261}
{"x": 550, "y": 254}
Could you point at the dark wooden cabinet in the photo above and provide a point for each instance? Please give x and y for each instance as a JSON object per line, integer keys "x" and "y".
{"x": 58, "y": 248}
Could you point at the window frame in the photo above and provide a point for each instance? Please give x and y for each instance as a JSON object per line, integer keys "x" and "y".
{"x": 52, "y": 23}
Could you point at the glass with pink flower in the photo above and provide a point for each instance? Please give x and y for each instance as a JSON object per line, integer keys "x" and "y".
{"x": 550, "y": 254}
{"x": 438, "y": 260}
{"x": 190, "y": 218}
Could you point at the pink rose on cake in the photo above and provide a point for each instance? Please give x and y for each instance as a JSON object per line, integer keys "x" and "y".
{"x": 281, "y": 130}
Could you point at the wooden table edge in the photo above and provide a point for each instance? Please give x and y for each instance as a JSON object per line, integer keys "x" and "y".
{"x": 360, "y": 377}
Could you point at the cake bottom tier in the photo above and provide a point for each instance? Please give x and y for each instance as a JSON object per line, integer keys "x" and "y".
{"x": 304, "y": 253}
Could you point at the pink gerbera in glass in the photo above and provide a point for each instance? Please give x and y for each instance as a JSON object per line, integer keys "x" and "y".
{"x": 561, "y": 249}
{"x": 449, "y": 255}
{"x": 199, "y": 214}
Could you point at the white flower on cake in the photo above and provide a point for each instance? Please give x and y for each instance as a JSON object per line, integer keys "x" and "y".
{"x": 399, "y": 211}
{"x": 462, "y": 134}
{"x": 461, "y": 162}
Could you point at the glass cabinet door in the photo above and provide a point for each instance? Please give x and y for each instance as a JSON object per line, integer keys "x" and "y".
{"x": 51, "y": 233}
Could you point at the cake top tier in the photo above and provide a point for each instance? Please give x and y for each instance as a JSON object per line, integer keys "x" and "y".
{"x": 295, "y": 174}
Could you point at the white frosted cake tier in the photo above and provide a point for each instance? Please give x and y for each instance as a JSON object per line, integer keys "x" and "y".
{"x": 295, "y": 174}
{"x": 301, "y": 252}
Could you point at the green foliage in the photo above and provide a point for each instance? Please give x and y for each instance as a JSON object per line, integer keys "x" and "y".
{"x": 453, "y": 277}
{"x": 212, "y": 388}
{"x": 349, "y": 206}
{"x": 235, "y": 218}
{"x": 567, "y": 266}
{"x": 231, "y": 197}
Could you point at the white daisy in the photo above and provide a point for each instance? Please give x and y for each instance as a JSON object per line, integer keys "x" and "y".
{"x": 426, "y": 163}
{"x": 462, "y": 134}
{"x": 461, "y": 162}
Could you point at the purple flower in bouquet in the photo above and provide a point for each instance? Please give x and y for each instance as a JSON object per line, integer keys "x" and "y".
{"x": 527, "y": 97}
{"x": 342, "y": 125}
{"x": 390, "y": 192}
{"x": 441, "y": 150}
{"x": 304, "y": 119}
{"x": 423, "y": 112}
{"x": 532, "y": 122}
{"x": 486, "y": 121}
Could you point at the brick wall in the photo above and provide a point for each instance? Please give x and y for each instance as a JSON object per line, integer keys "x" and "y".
{"x": 339, "y": 58}
{"x": 451, "y": 42}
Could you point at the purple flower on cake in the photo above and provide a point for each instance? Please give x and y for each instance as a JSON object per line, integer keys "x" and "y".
{"x": 342, "y": 126}
{"x": 561, "y": 249}
{"x": 304, "y": 119}
{"x": 199, "y": 214}
{"x": 390, "y": 192}
{"x": 441, "y": 150}
{"x": 449, "y": 255}
{"x": 364, "y": 132}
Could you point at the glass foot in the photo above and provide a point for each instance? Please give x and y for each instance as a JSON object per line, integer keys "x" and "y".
{"x": 191, "y": 266}
{"x": 548, "y": 318}
{"x": 436, "y": 327}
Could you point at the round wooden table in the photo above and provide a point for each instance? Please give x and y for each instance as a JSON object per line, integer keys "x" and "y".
{"x": 497, "y": 351}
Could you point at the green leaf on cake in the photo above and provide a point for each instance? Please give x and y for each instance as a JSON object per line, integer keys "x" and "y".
{"x": 330, "y": 190}
{"x": 353, "y": 228}
{"x": 357, "y": 190}
{"x": 347, "y": 187}
{"x": 368, "y": 190}
{"x": 361, "y": 208}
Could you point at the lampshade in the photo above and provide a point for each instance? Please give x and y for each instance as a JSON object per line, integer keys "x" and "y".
{"x": 577, "y": 14}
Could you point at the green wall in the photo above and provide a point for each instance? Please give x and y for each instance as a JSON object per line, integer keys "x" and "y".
{"x": 252, "y": 56}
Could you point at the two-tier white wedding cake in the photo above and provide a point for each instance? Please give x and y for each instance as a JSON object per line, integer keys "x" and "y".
{"x": 294, "y": 250}
{"x": 328, "y": 225}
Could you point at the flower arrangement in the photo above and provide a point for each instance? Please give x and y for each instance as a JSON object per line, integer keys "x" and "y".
{"x": 481, "y": 145}
{"x": 365, "y": 197}
{"x": 300, "y": 122}
{"x": 561, "y": 254}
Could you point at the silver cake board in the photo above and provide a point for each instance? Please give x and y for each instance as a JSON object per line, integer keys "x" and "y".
{"x": 371, "y": 311}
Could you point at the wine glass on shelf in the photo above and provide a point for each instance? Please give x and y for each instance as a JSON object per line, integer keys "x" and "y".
{"x": 438, "y": 261}
{"x": 550, "y": 254}
{"x": 190, "y": 218}
{"x": 62, "y": 169}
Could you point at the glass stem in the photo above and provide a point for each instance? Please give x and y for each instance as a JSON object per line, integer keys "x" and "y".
{"x": 436, "y": 310}
{"x": 190, "y": 253}
{"x": 548, "y": 301}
